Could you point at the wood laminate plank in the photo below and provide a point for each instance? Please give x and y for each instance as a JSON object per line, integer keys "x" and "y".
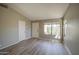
{"x": 37, "y": 47}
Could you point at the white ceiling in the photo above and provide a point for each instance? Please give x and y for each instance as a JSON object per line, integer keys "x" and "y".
{"x": 39, "y": 11}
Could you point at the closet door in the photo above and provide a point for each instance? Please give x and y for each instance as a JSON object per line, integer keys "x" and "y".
{"x": 22, "y": 30}
{"x": 35, "y": 29}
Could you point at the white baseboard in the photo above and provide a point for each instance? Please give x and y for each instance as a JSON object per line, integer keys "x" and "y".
{"x": 11, "y": 44}
{"x": 8, "y": 45}
{"x": 68, "y": 50}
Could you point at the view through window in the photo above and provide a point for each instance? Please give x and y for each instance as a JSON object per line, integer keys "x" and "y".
{"x": 52, "y": 29}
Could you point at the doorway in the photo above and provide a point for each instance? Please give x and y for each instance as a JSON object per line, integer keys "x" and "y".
{"x": 35, "y": 29}
{"x": 52, "y": 30}
{"x": 22, "y": 29}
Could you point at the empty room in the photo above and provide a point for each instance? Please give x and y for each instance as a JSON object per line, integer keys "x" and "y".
{"x": 39, "y": 29}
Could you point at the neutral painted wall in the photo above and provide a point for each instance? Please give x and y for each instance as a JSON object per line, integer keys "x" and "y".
{"x": 9, "y": 27}
{"x": 28, "y": 28}
{"x": 41, "y": 27}
{"x": 0, "y": 30}
{"x": 71, "y": 38}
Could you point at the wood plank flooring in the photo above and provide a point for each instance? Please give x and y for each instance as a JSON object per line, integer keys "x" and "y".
{"x": 37, "y": 47}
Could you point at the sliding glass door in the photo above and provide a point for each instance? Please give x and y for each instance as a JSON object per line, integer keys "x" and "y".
{"x": 47, "y": 29}
{"x": 52, "y": 29}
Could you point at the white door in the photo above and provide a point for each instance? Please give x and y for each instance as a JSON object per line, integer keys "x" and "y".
{"x": 35, "y": 29}
{"x": 21, "y": 30}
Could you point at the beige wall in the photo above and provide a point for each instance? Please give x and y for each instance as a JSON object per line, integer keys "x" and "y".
{"x": 0, "y": 30}
{"x": 71, "y": 38}
{"x": 28, "y": 28}
{"x": 41, "y": 27}
{"x": 9, "y": 27}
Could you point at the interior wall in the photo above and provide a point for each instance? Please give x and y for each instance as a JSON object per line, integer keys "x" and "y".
{"x": 41, "y": 27}
{"x": 28, "y": 29}
{"x": 0, "y": 30}
{"x": 9, "y": 27}
{"x": 71, "y": 20}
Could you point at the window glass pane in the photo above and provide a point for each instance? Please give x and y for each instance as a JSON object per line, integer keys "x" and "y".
{"x": 56, "y": 30}
{"x": 52, "y": 29}
{"x": 47, "y": 28}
